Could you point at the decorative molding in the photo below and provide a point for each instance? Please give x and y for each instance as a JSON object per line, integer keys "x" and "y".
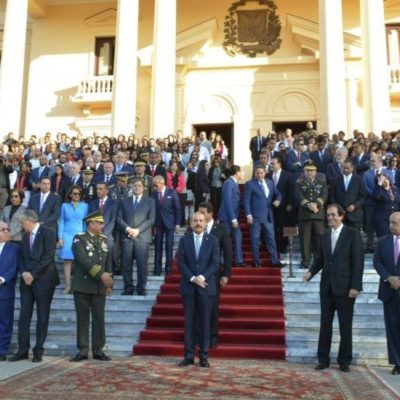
{"x": 104, "y": 19}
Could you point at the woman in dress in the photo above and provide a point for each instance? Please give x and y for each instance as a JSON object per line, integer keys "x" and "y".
{"x": 73, "y": 212}
{"x": 60, "y": 182}
{"x": 23, "y": 181}
{"x": 176, "y": 181}
{"x": 11, "y": 214}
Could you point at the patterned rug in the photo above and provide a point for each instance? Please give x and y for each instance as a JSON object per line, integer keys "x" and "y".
{"x": 160, "y": 378}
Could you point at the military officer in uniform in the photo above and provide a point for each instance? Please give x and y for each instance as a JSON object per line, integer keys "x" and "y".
{"x": 90, "y": 285}
{"x": 311, "y": 195}
{"x": 140, "y": 166}
{"x": 88, "y": 185}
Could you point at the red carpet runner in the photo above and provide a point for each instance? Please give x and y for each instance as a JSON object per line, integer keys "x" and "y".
{"x": 251, "y": 320}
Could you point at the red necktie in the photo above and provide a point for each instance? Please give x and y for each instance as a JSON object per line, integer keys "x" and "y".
{"x": 153, "y": 171}
{"x": 299, "y": 156}
{"x": 101, "y": 204}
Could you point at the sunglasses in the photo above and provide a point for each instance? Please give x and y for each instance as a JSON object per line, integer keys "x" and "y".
{"x": 5, "y": 230}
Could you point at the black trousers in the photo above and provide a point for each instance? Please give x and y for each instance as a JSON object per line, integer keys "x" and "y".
{"x": 43, "y": 298}
{"x": 195, "y": 306}
{"x": 391, "y": 311}
{"x": 85, "y": 305}
{"x": 344, "y": 306}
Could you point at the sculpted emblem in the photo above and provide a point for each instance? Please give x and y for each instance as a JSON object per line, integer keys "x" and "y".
{"x": 252, "y": 30}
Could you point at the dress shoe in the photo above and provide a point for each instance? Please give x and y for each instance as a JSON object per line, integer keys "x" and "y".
{"x": 204, "y": 364}
{"x": 369, "y": 250}
{"x": 242, "y": 265}
{"x": 3, "y": 357}
{"x": 396, "y": 370}
{"x": 78, "y": 357}
{"x": 101, "y": 357}
{"x": 320, "y": 367}
{"x": 168, "y": 273}
{"x": 127, "y": 293}
{"x": 279, "y": 265}
{"x": 213, "y": 344}
{"x": 185, "y": 362}
{"x": 19, "y": 357}
{"x": 141, "y": 292}
{"x": 255, "y": 265}
{"x": 156, "y": 273}
{"x": 303, "y": 266}
{"x": 344, "y": 368}
{"x": 37, "y": 358}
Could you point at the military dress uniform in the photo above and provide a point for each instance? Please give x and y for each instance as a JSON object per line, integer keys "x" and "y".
{"x": 311, "y": 225}
{"x": 90, "y": 254}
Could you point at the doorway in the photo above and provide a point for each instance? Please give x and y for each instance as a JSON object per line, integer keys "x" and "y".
{"x": 225, "y": 130}
{"x": 295, "y": 126}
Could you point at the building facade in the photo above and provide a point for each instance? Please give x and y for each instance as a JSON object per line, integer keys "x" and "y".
{"x": 151, "y": 67}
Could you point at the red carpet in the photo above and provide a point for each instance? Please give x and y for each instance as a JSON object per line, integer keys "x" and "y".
{"x": 160, "y": 378}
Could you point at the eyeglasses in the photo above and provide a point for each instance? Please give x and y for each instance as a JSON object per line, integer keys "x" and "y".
{"x": 5, "y": 230}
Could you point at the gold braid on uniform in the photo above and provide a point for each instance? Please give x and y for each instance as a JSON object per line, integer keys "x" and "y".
{"x": 320, "y": 201}
{"x": 304, "y": 202}
{"x": 95, "y": 270}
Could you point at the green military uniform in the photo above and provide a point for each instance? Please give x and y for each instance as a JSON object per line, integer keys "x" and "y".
{"x": 90, "y": 255}
{"x": 311, "y": 225}
{"x": 147, "y": 183}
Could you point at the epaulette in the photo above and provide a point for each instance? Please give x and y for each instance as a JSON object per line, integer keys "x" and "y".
{"x": 103, "y": 236}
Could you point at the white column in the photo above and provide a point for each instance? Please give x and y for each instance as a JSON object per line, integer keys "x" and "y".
{"x": 12, "y": 66}
{"x": 375, "y": 69}
{"x": 332, "y": 70}
{"x": 162, "y": 119}
{"x": 125, "y": 68}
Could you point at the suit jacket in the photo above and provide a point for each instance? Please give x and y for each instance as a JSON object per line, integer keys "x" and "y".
{"x": 284, "y": 187}
{"x": 100, "y": 177}
{"x": 292, "y": 161}
{"x": 361, "y": 165}
{"x": 125, "y": 168}
{"x": 332, "y": 172}
{"x": 355, "y": 194}
{"x": 206, "y": 264}
{"x": 221, "y": 232}
{"x": 36, "y": 176}
{"x": 16, "y": 230}
{"x": 321, "y": 163}
{"x": 50, "y": 210}
{"x": 343, "y": 269}
{"x": 230, "y": 206}
{"x": 253, "y": 147}
{"x": 39, "y": 260}
{"x": 110, "y": 214}
{"x": 9, "y": 270}
{"x": 142, "y": 218}
{"x": 385, "y": 266}
{"x": 168, "y": 213}
{"x": 256, "y": 203}
{"x": 158, "y": 171}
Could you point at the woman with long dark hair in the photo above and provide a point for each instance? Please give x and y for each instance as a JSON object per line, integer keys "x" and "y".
{"x": 60, "y": 182}
{"x": 73, "y": 212}
{"x": 11, "y": 214}
{"x": 176, "y": 181}
{"x": 202, "y": 190}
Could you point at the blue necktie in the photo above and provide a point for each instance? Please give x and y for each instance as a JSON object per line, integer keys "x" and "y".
{"x": 136, "y": 202}
{"x": 197, "y": 245}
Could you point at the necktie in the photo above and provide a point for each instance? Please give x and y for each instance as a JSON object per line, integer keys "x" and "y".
{"x": 107, "y": 179}
{"x": 275, "y": 177}
{"x": 346, "y": 182}
{"x": 334, "y": 238}
{"x": 135, "y": 203}
{"x": 153, "y": 170}
{"x": 264, "y": 188}
{"x": 161, "y": 197}
{"x": 30, "y": 240}
{"x": 396, "y": 249}
{"x": 259, "y": 144}
{"x": 320, "y": 156}
{"x": 197, "y": 245}
{"x": 101, "y": 205}
{"x": 42, "y": 198}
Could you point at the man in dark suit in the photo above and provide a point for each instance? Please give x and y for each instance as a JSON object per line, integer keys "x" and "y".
{"x": 106, "y": 175}
{"x": 91, "y": 283}
{"x": 282, "y": 217}
{"x": 387, "y": 264}
{"x": 136, "y": 217}
{"x": 121, "y": 165}
{"x": 321, "y": 156}
{"x": 8, "y": 277}
{"x": 168, "y": 217}
{"x": 46, "y": 205}
{"x": 75, "y": 172}
{"x": 260, "y": 195}
{"x": 361, "y": 158}
{"x": 198, "y": 261}
{"x": 224, "y": 271}
{"x": 341, "y": 259}
{"x": 296, "y": 158}
{"x": 153, "y": 168}
{"x": 109, "y": 208}
{"x": 230, "y": 209}
{"x": 335, "y": 168}
{"x": 39, "y": 280}
{"x": 349, "y": 192}
{"x": 38, "y": 173}
{"x": 257, "y": 143}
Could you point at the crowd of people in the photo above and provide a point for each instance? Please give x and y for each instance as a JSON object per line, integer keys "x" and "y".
{"x": 147, "y": 189}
